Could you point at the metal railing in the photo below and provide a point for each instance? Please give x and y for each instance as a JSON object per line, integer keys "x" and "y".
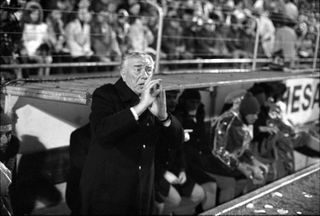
{"x": 254, "y": 60}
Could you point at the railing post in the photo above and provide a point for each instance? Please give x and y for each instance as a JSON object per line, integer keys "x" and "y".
{"x": 160, "y": 25}
{"x": 317, "y": 48}
{"x": 256, "y": 46}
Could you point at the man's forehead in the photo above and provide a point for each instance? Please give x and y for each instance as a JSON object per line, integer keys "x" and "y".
{"x": 139, "y": 61}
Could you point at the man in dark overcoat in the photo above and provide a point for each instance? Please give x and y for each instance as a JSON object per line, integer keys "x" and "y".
{"x": 127, "y": 118}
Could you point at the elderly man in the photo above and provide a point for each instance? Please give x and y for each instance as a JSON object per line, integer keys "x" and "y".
{"x": 127, "y": 119}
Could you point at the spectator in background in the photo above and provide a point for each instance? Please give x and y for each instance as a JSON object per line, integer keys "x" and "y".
{"x": 237, "y": 39}
{"x": 9, "y": 41}
{"x": 9, "y": 147}
{"x": 285, "y": 42}
{"x": 205, "y": 40}
{"x": 306, "y": 45}
{"x": 188, "y": 33}
{"x": 103, "y": 38}
{"x": 121, "y": 29}
{"x": 57, "y": 37}
{"x": 35, "y": 38}
{"x": 139, "y": 36}
{"x": 266, "y": 30}
{"x": 172, "y": 37}
{"x": 78, "y": 38}
{"x": 290, "y": 10}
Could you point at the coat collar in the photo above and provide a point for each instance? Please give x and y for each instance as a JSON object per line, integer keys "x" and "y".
{"x": 125, "y": 93}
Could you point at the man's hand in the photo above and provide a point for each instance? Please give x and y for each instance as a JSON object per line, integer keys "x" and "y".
{"x": 182, "y": 177}
{"x": 159, "y": 106}
{"x": 270, "y": 130}
{"x": 246, "y": 170}
{"x": 148, "y": 96}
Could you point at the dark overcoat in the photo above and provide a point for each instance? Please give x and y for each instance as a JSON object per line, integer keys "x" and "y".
{"x": 119, "y": 171}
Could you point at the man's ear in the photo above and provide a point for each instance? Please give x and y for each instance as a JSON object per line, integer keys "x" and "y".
{"x": 123, "y": 74}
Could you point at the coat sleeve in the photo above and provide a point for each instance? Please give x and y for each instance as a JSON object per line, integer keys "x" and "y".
{"x": 109, "y": 123}
{"x": 175, "y": 135}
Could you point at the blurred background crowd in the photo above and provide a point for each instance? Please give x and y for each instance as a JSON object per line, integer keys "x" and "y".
{"x": 42, "y": 31}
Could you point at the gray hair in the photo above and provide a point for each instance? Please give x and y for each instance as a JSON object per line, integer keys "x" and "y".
{"x": 133, "y": 55}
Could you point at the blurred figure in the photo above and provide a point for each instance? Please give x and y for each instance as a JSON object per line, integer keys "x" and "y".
{"x": 103, "y": 38}
{"x": 285, "y": 43}
{"x": 266, "y": 30}
{"x": 57, "y": 37}
{"x": 172, "y": 37}
{"x": 139, "y": 36}
{"x": 78, "y": 39}
{"x": 206, "y": 40}
{"x": 188, "y": 33}
{"x": 9, "y": 147}
{"x": 9, "y": 41}
{"x": 35, "y": 38}
{"x": 121, "y": 29}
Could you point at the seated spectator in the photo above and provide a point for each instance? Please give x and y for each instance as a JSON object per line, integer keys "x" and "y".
{"x": 78, "y": 150}
{"x": 103, "y": 38}
{"x": 190, "y": 112}
{"x": 172, "y": 37}
{"x": 35, "y": 38}
{"x": 236, "y": 39}
{"x": 9, "y": 147}
{"x": 285, "y": 42}
{"x": 206, "y": 40}
{"x": 172, "y": 183}
{"x": 78, "y": 39}
{"x": 121, "y": 29}
{"x": 306, "y": 46}
{"x": 188, "y": 33}
{"x": 139, "y": 36}
{"x": 233, "y": 164}
{"x": 9, "y": 42}
{"x": 57, "y": 37}
{"x": 266, "y": 30}
{"x": 269, "y": 143}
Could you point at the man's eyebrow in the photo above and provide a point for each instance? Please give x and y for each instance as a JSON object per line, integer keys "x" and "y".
{"x": 138, "y": 65}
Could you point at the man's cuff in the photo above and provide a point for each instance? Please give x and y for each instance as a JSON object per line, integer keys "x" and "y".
{"x": 134, "y": 113}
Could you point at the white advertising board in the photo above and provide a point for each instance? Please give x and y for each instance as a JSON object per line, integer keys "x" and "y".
{"x": 302, "y": 100}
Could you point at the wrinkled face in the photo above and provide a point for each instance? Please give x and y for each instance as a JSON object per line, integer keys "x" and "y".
{"x": 251, "y": 118}
{"x": 5, "y": 137}
{"x": 137, "y": 72}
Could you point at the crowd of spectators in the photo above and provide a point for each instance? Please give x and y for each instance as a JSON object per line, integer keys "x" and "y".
{"x": 103, "y": 30}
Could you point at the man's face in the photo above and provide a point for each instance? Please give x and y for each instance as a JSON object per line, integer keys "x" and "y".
{"x": 137, "y": 73}
{"x": 171, "y": 98}
{"x": 5, "y": 137}
{"x": 251, "y": 118}
{"x": 192, "y": 104}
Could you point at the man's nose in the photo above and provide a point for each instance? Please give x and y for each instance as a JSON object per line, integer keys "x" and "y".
{"x": 144, "y": 75}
